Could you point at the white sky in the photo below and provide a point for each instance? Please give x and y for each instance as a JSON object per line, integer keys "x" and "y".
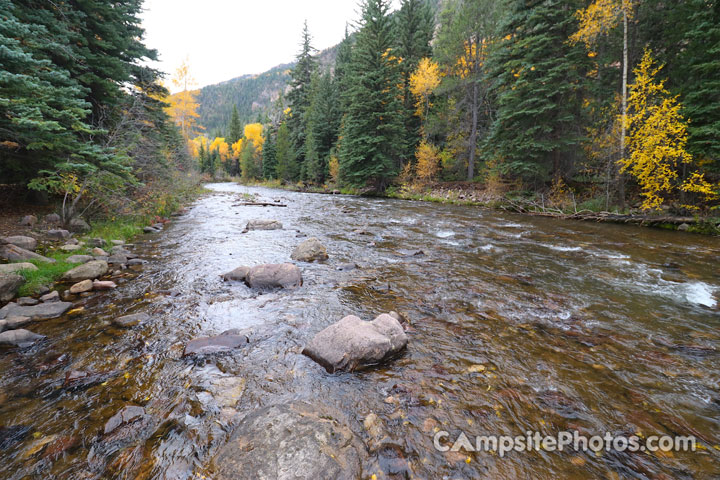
{"x": 224, "y": 39}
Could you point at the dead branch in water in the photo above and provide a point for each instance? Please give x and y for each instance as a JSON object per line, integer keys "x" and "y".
{"x": 259, "y": 204}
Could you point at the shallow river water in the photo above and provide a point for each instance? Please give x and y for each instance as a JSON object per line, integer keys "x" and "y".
{"x": 517, "y": 324}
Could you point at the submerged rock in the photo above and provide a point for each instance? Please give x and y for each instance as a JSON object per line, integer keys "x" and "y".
{"x": 36, "y": 312}
{"x": 352, "y": 343}
{"x": 263, "y": 225}
{"x": 127, "y": 321}
{"x": 28, "y": 243}
{"x": 217, "y": 344}
{"x": 19, "y": 338}
{"x": 311, "y": 250}
{"x": 127, "y": 415}
{"x": 270, "y": 276}
{"x": 15, "y": 267}
{"x": 9, "y": 285}
{"x": 16, "y": 254}
{"x": 316, "y": 441}
{"x": 88, "y": 271}
{"x": 238, "y": 274}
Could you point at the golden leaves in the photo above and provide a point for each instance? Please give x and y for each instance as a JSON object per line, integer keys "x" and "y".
{"x": 423, "y": 82}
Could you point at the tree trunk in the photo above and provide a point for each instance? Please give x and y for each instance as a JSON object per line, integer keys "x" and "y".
{"x": 621, "y": 180}
{"x": 473, "y": 133}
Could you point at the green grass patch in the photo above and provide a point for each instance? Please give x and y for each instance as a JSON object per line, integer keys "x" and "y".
{"x": 119, "y": 229}
{"x": 47, "y": 273}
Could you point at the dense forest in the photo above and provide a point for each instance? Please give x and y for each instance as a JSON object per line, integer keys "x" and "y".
{"x": 613, "y": 103}
{"x": 80, "y": 116}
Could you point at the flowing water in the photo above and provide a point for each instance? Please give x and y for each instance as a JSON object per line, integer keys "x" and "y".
{"x": 517, "y": 323}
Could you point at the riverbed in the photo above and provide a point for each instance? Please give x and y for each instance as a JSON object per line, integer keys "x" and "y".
{"x": 516, "y": 324}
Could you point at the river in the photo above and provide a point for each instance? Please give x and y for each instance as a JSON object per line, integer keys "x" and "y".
{"x": 517, "y": 324}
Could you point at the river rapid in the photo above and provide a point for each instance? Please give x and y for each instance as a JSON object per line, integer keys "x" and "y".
{"x": 517, "y": 324}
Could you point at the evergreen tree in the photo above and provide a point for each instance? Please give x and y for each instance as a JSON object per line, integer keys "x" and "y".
{"x": 286, "y": 167}
{"x": 300, "y": 96}
{"x": 323, "y": 125}
{"x": 235, "y": 131}
{"x": 539, "y": 79}
{"x": 415, "y": 25}
{"x": 269, "y": 154}
{"x": 343, "y": 79}
{"x": 371, "y": 146}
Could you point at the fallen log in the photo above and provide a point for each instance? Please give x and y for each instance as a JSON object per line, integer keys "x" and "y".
{"x": 259, "y": 204}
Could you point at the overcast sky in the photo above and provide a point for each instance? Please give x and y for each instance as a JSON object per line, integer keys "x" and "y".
{"x": 224, "y": 39}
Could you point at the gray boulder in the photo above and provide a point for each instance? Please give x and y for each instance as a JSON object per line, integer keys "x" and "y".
{"x": 238, "y": 275}
{"x": 311, "y": 250}
{"x": 117, "y": 259}
{"x": 270, "y": 276}
{"x": 28, "y": 243}
{"x": 19, "y": 338}
{"x": 28, "y": 220}
{"x": 263, "y": 225}
{"x": 59, "y": 234}
{"x": 53, "y": 219}
{"x": 136, "y": 261}
{"x": 9, "y": 285}
{"x": 35, "y": 312}
{"x": 119, "y": 250}
{"x": 320, "y": 446}
{"x": 16, "y": 267}
{"x": 17, "y": 254}
{"x": 79, "y": 258}
{"x": 87, "y": 271}
{"x": 78, "y": 225}
{"x": 131, "y": 320}
{"x": 212, "y": 345}
{"x": 70, "y": 247}
{"x": 12, "y": 323}
{"x": 53, "y": 296}
{"x": 25, "y": 301}
{"x": 352, "y": 343}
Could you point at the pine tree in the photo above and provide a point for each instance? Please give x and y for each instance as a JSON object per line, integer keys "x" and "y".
{"x": 269, "y": 156}
{"x": 415, "y": 25}
{"x": 286, "y": 166}
{"x": 300, "y": 95}
{"x": 371, "y": 146}
{"x": 323, "y": 125}
{"x": 342, "y": 69}
{"x": 539, "y": 77}
{"x": 234, "y": 128}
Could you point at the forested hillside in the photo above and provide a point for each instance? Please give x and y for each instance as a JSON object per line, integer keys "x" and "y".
{"x": 604, "y": 104}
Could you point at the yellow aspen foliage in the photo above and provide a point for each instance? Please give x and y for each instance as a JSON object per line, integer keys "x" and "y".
{"x": 183, "y": 105}
{"x": 599, "y": 18}
{"x": 428, "y": 161}
{"x": 222, "y": 148}
{"x": 423, "y": 82}
{"x": 657, "y": 136}
{"x": 254, "y": 133}
{"x": 195, "y": 144}
{"x": 237, "y": 148}
{"x": 334, "y": 167}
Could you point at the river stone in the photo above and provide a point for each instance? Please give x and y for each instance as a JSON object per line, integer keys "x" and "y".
{"x": 150, "y": 230}
{"x": 291, "y": 441}
{"x": 16, "y": 254}
{"x": 73, "y": 241}
{"x": 269, "y": 276}
{"x": 131, "y": 320}
{"x": 344, "y": 267}
{"x": 9, "y": 285}
{"x": 41, "y": 311}
{"x": 352, "y": 343}
{"x": 70, "y": 247}
{"x": 263, "y": 225}
{"x": 78, "y": 225}
{"x": 53, "y": 296}
{"x": 117, "y": 259}
{"x": 96, "y": 242}
{"x": 87, "y": 271}
{"x": 79, "y": 258}
{"x": 14, "y": 267}
{"x": 80, "y": 287}
{"x": 683, "y": 227}
{"x": 12, "y": 323}
{"x": 28, "y": 220}
{"x": 28, "y": 243}
{"x": 119, "y": 250}
{"x": 19, "y": 338}
{"x": 127, "y": 415}
{"x": 99, "y": 252}
{"x": 103, "y": 285}
{"x": 311, "y": 250}
{"x": 217, "y": 344}
{"x": 238, "y": 274}
{"x": 136, "y": 261}
{"x": 58, "y": 233}
{"x": 26, "y": 301}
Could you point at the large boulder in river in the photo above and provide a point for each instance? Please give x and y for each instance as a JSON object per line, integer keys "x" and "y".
{"x": 28, "y": 243}
{"x": 9, "y": 285}
{"x": 352, "y": 343}
{"x": 16, "y": 254}
{"x": 238, "y": 275}
{"x": 274, "y": 275}
{"x": 6, "y": 268}
{"x": 35, "y": 312}
{"x": 87, "y": 271}
{"x": 311, "y": 250}
{"x": 19, "y": 338}
{"x": 263, "y": 225}
{"x": 315, "y": 442}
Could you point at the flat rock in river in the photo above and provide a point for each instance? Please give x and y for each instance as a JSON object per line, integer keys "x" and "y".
{"x": 19, "y": 338}
{"x": 88, "y": 271}
{"x": 271, "y": 275}
{"x": 216, "y": 344}
{"x": 352, "y": 343}
{"x": 130, "y": 320}
{"x": 36, "y": 312}
{"x": 263, "y": 225}
{"x": 127, "y": 415}
{"x": 291, "y": 441}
